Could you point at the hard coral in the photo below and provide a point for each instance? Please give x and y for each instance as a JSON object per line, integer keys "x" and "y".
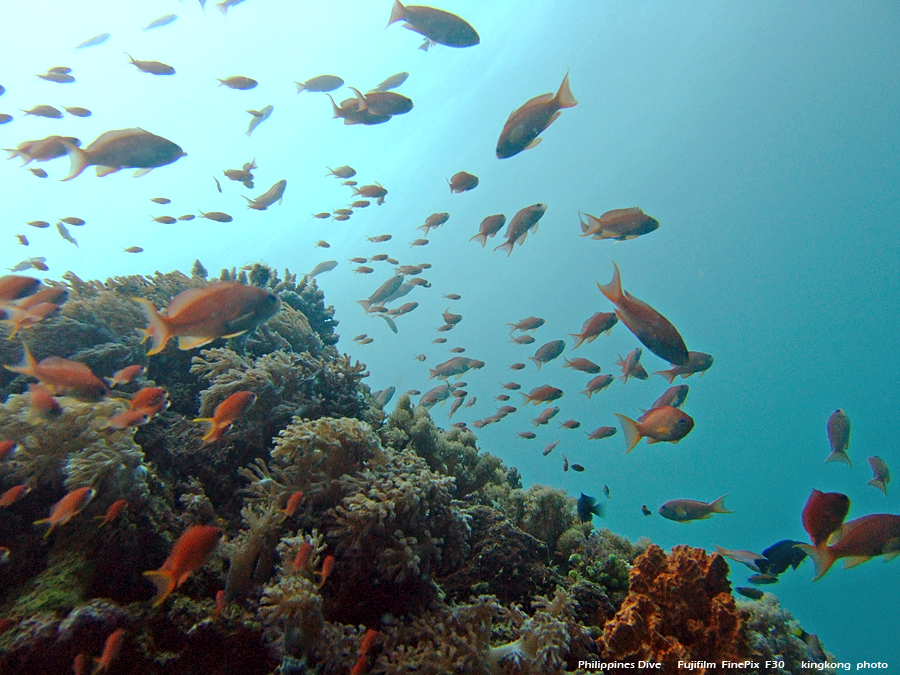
{"x": 679, "y": 608}
{"x": 543, "y": 512}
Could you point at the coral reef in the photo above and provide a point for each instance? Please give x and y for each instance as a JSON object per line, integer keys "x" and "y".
{"x": 679, "y": 608}
{"x": 406, "y": 548}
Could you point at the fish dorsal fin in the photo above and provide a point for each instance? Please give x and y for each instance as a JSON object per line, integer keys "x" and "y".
{"x": 186, "y": 298}
{"x": 105, "y": 170}
{"x": 113, "y": 135}
{"x": 186, "y": 342}
{"x": 537, "y": 100}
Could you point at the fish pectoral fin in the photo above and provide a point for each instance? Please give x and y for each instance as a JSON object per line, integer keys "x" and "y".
{"x": 186, "y": 342}
{"x": 141, "y": 172}
{"x": 105, "y": 170}
{"x": 536, "y": 142}
{"x": 853, "y": 561}
{"x": 234, "y": 335}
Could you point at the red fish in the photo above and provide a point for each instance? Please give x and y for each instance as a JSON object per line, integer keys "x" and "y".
{"x": 527, "y": 122}
{"x": 525, "y": 221}
{"x": 13, "y": 287}
{"x": 13, "y": 495}
{"x": 200, "y": 315}
{"x": 823, "y": 514}
{"x": 62, "y": 377}
{"x": 302, "y": 556}
{"x": 150, "y": 400}
{"x": 489, "y": 227}
{"x": 292, "y": 504}
{"x": 596, "y": 384}
{"x": 327, "y": 567}
{"x": 601, "y": 322}
{"x": 226, "y": 413}
{"x": 8, "y": 449}
{"x": 189, "y": 553}
{"x": 361, "y": 662}
{"x": 698, "y": 362}
{"x": 660, "y": 424}
{"x": 860, "y": 540}
{"x": 649, "y": 326}
{"x": 67, "y": 508}
{"x": 42, "y": 403}
{"x": 111, "y": 649}
{"x": 126, "y": 375}
{"x": 618, "y": 224}
{"x": 542, "y": 394}
{"x": 113, "y": 512}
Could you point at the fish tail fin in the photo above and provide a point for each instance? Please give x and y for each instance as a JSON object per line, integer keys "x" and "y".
{"x": 718, "y": 506}
{"x": 42, "y": 521}
{"x": 28, "y": 364}
{"x": 480, "y": 237}
{"x": 632, "y": 432}
{"x": 612, "y": 290}
{"x": 78, "y": 159}
{"x": 838, "y": 456}
{"x": 508, "y": 247}
{"x": 164, "y": 582}
{"x": 213, "y": 431}
{"x": 668, "y": 374}
{"x": 537, "y": 361}
{"x": 876, "y": 482}
{"x": 823, "y": 558}
{"x": 301, "y": 86}
{"x": 397, "y": 13}
{"x": 365, "y": 304}
{"x": 564, "y": 96}
{"x": 157, "y": 330}
{"x": 222, "y": 7}
{"x": 579, "y": 337}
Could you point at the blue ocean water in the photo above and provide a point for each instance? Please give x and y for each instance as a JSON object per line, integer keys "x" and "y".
{"x": 764, "y": 137}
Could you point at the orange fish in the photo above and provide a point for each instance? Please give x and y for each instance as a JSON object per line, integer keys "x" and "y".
{"x": 123, "y": 149}
{"x": 526, "y": 123}
{"x": 127, "y": 418}
{"x": 67, "y": 508}
{"x": 226, "y": 413}
{"x": 542, "y": 394}
{"x": 649, "y": 326}
{"x": 601, "y": 322}
{"x": 13, "y": 495}
{"x": 596, "y": 384}
{"x": 618, "y": 224}
{"x": 150, "y": 400}
{"x": 62, "y": 376}
{"x": 292, "y": 503}
{"x": 522, "y": 223}
{"x": 26, "y": 318}
{"x": 200, "y": 315}
{"x": 189, "y": 553}
{"x": 631, "y": 366}
{"x": 824, "y": 514}
{"x": 302, "y": 556}
{"x": 55, "y": 295}
{"x": 327, "y": 567}
{"x": 361, "y": 661}
{"x": 113, "y": 512}
{"x": 219, "y": 606}
{"x": 13, "y": 287}
{"x": 860, "y": 540}
{"x": 80, "y": 664}
{"x": 126, "y": 375}
{"x": 660, "y": 424}
{"x": 43, "y": 149}
{"x": 462, "y": 182}
{"x": 111, "y": 649}
{"x": 152, "y": 67}
{"x": 698, "y": 362}
{"x": 8, "y": 449}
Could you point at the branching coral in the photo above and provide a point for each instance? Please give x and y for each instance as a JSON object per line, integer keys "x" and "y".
{"x": 543, "y": 512}
{"x": 112, "y": 466}
{"x": 452, "y": 453}
{"x": 679, "y": 608}
{"x": 600, "y": 557}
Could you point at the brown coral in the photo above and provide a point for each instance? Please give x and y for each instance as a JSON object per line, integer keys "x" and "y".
{"x": 679, "y": 608}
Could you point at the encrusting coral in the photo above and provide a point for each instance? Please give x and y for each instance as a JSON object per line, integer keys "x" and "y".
{"x": 349, "y": 537}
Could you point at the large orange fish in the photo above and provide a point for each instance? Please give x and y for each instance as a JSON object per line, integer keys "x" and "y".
{"x": 526, "y": 123}
{"x": 649, "y": 326}
{"x": 200, "y": 315}
{"x": 62, "y": 376}
{"x": 189, "y": 553}
{"x": 123, "y": 149}
{"x": 13, "y": 287}
{"x": 659, "y": 424}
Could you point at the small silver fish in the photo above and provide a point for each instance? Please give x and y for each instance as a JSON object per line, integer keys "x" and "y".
{"x": 64, "y": 233}
{"x": 259, "y": 116}
{"x": 326, "y": 266}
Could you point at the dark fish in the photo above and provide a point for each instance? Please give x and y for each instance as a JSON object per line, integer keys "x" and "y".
{"x": 823, "y": 514}
{"x": 698, "y": 362}
{"x": 781, "y": 555}
{"x": 524, "y": 221}
{"x": 123, "y": 149}
{"x": 526, "y": 123}
{"x": 218, "y": 187}
{"x": 882, "y": 474}
{"x": 5, "y": 118}
{"x": 385, "y": 102}
{"x": 587, "y": 507}
{"x": 437, "y": 25}
{"x": 762, "y": 579}
{"x": 686, "y": 510}
{"x": 577, "y": 467}
{"x": 748, "y": 592}
{"x": 548, "y": 352}
{"x": 152, "y": 67}
{"x": 645, "y": 510}
{"x": 673, "y": 396}
{"x": 839, "y": 437}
